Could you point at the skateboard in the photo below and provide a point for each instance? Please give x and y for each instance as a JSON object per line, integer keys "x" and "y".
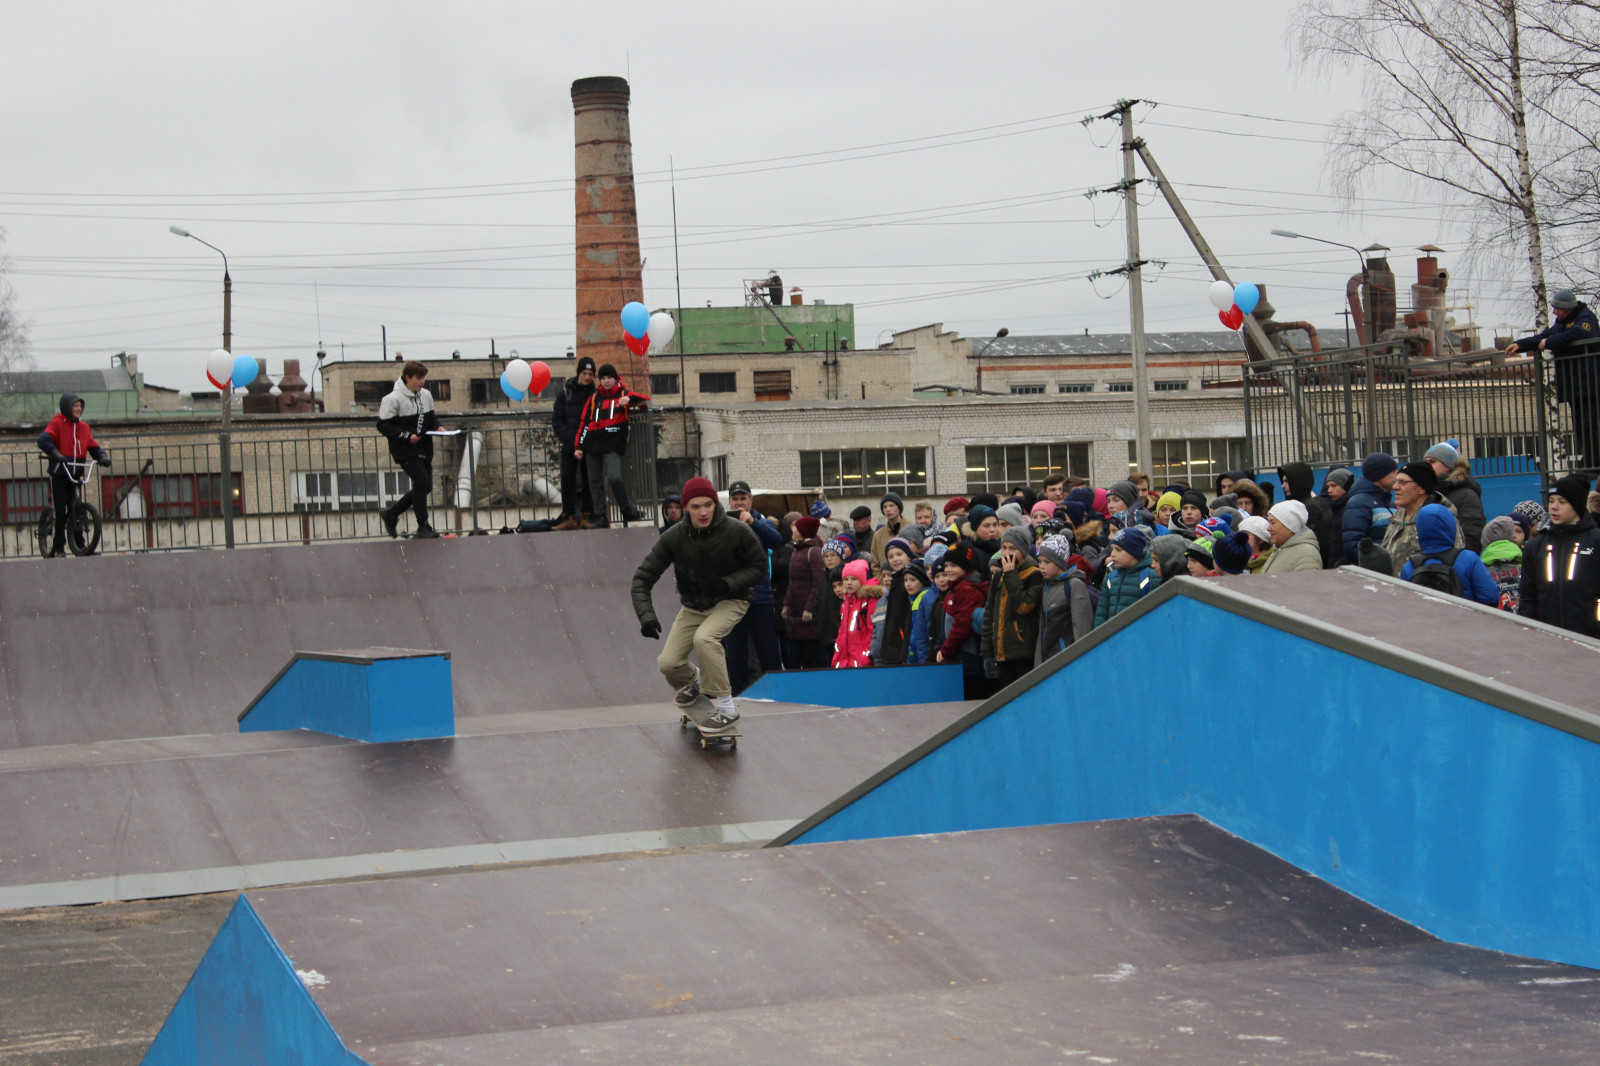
{"x": 696, "y": 713}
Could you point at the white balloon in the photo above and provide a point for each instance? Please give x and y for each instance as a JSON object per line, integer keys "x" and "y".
{"x": 662, "y": 329}
{"x": 1221, "y": 295}
{"x": 519, "y": 375}
{"x": 219, "y": 364}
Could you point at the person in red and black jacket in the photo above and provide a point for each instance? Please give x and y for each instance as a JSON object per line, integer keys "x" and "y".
{"x": 602, "y": 442}
{"x": 68, "y": 441}
{"x": 966, "y": 594}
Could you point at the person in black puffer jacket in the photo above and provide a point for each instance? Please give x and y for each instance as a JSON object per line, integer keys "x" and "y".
{"x": 717, "y": 562}
{"x": 1459, "y": 488}
{"x": 565, "y": 418}
{"x": 1561, "y": 566}
{"x": 1298, "y": 481}
{"x": 1335, "y": 487}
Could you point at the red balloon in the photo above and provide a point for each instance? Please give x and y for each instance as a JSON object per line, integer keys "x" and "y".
{"x": 636, "y": 345}
{"x": 213, "y": 381}
{"x": 541, "y": 377}
{"x": 1233, "y": 318}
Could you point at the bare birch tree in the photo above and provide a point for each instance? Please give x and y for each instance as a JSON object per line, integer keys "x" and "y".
{"x": 14, "y": 354}
{"x": 1460, "y": 97}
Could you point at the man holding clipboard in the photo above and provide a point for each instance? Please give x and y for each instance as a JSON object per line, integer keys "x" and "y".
{"x": 407, "y": 418}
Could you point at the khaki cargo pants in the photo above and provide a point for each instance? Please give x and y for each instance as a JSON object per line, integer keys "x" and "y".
{"x": 701, "y": 632}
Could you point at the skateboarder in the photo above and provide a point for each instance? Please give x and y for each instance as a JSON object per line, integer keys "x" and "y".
{"x": 717, "y": 561}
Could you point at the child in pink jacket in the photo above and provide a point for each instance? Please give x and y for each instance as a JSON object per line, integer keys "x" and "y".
{"x": 854, "y": 644}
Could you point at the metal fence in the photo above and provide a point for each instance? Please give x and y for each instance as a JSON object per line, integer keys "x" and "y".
{"x": 1512, "y": 414}
{"x": 307, "y": 483}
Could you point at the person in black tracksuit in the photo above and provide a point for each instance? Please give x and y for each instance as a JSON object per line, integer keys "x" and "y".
{"x": 1561, "y": 566}
{"x": 405, "y": 417}
{"x": 565, "y": 418}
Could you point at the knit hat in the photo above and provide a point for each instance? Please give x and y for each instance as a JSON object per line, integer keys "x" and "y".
{"x": 1011, "y": 514}
{"x": 1445, "y": 453}
{"x": 859, "y": 513}
{"x": 978, "y": 513}
{"x": 933, "y": 558}
{"x": 1231, "y": 553}
{"x": 1057, "y": 549}
{"x": 1378, "y": 466}
{"x": 916, "y": 535}
{"x": 1131, "y": 540}
{"x": 607, "y": 371}
{"x": 1232, "y": 514}
{"x": 962, "y": 557}
{"x": 1575, "y": 490}
{"x": 1169, "y": 499}
{"x": 840, "y": 547}
{"x": 1125, "y": 491}
{"x": 807, "y": 526}
{"x": 1043, "y": 510}
{"x": 586, "y": 363}
{"x": 915, "y": 567}
{"x": 1536, "y": 515}
{"x": 1341, "y": 477}
{"x": 1292, "y": 514}
{"x": 1502, "y": 528}
{"x": 1200, "y": 550}
{"x": 1521, "y": 520}
{"x": 697, "y": 487}
{"x": 902, "y": 543}
{"x": 1422, "y": 474}
{"x": 1049, "y": 527}
{"x": 858, "y": 569}
{"x": 943, "y": 537}
{"x": 957, "y": 503}
{"x": 1195, "y": 498}
{"x": 1215, "y": 526}
{"x": 894, "y": 498}
{"x": 1084, "y": 496}
{"x": 1099, "y": 505}
{"x": 1168, "y": 550}
{"x": 1257, "y": 525}
{"x": 1077, "y": 512}
{"x": 1019, "y": 538}
{"x": 986, "y": 499}
{"x": 1564, "y": 300}
{"x": 1370, "y": 556}
{"x": 820, "y": 509}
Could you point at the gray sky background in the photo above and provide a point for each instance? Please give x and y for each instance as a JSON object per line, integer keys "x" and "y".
{"x": 410, "y": 165}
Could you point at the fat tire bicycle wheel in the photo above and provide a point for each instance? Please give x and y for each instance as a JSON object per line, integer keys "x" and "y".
{"x": 46, "y": 531}
{"x": 83, "y": 529}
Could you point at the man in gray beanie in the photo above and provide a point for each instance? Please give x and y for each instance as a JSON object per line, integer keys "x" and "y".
{"x": 1570, "y": 340}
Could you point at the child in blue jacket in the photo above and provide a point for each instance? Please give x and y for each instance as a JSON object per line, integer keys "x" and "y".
{"x": 1436, "y": 536}
{"x": 924, "y": 606}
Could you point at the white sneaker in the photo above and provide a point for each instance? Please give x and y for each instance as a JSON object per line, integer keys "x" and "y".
{"x": 726, "y": 714}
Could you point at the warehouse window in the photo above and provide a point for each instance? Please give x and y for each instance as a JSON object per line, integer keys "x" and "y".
{"x": 1074, "y": 386}
{"x": 372, "y": 392}
{"x": 485, "y": 390}
{"x": 663, "y": 384}
{"x": 998, "y": 468}
{"x": 1196, "y": 461}
{"x": 1172, "y": 386}
{"x": 721, "y": 381}
{"x": 865, "y": 471}
{"x": 772, "y": 385}
{"x": 1119, "y": 386}
{"x": 1027, "y": 390}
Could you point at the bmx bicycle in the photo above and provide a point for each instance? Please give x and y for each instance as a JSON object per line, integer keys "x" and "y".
{"x": 83, "y": 520}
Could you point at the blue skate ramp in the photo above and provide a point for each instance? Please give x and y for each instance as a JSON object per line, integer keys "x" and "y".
{"x": 1436, "y": 758}
{"x": 871, "y": 686}
{"x": 371, "y": 694}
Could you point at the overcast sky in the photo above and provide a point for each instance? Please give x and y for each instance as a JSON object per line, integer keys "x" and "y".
{"x": 410, "y": 165}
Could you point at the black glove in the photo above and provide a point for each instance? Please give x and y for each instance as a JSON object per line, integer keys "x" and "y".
{"x": 55, "y": 456}
{"x": 104, "y": 459}
{"x": 651, "y": 629}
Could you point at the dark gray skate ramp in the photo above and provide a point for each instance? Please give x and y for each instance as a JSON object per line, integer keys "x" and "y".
{"x": 163, "y": 645}
{"x": 141, "y": 819}
{"x": 1150, "y": 940}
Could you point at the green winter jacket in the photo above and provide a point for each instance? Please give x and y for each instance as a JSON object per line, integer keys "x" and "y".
{"x": 1124, "y": 588}
{"x": 1502, "y": 551}
{"x": 724, "y": 561}
{"x": 1299, "y": 552}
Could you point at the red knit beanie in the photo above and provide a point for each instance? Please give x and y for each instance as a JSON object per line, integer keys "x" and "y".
{"x": 807, "y": 526}
{"x": 959, "y": 503}
{"x": 695, "y": 488}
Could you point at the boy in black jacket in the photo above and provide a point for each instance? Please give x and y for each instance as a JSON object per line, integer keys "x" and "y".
{"x": 405, "y": 417}
{"x": 565, "y": 418}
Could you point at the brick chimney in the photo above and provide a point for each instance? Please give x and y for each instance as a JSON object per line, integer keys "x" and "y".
{"x": 609, "y": 271}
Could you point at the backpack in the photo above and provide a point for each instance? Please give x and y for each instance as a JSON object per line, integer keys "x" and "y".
{"x": 1439, "y": 573}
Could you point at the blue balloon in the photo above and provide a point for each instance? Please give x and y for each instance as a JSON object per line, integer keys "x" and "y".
{"x": 244, "y": 370}
{"x": 1246, "y": 296}
{"x": 636, "y": 318}
{"x": 505, "y": 387}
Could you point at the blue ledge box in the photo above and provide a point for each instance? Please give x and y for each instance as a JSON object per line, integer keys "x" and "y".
{"x": 371, "y": 694}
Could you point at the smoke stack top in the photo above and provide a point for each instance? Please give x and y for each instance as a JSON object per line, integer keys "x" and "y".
{"x": 607, "y": 224}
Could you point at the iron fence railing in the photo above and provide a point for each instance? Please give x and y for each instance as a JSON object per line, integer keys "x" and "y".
{"x": 1512, "y": 414}
{"x": 307, "y": 483}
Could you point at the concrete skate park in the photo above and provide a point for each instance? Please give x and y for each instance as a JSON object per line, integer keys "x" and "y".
{"x": 429, "y": 802}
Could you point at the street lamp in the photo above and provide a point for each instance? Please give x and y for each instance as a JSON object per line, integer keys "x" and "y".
{"x": 224, "y": 438}
{"x": 1003, "y": 332}
{"x": 1372, "y": 312}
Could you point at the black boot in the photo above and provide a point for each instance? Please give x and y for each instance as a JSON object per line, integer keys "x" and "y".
{"x": 391, "y": 523}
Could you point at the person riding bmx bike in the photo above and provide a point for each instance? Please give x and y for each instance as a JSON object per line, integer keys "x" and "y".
{"x": 717, "y": 561}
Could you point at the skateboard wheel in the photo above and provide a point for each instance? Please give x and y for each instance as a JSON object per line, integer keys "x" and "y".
{"x": 704, "y": 743}
{"x": 733, "y": 742}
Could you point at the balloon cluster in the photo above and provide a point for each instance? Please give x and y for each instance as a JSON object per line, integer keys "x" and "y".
{"x": 521, "y": 377}
{"x": 1233, "y": 302}
{"x": 641, "y": 329}
{"x": 226, "y": 370}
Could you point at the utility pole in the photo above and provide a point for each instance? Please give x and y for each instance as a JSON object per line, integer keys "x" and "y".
{"x": 1141, "y": 374}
